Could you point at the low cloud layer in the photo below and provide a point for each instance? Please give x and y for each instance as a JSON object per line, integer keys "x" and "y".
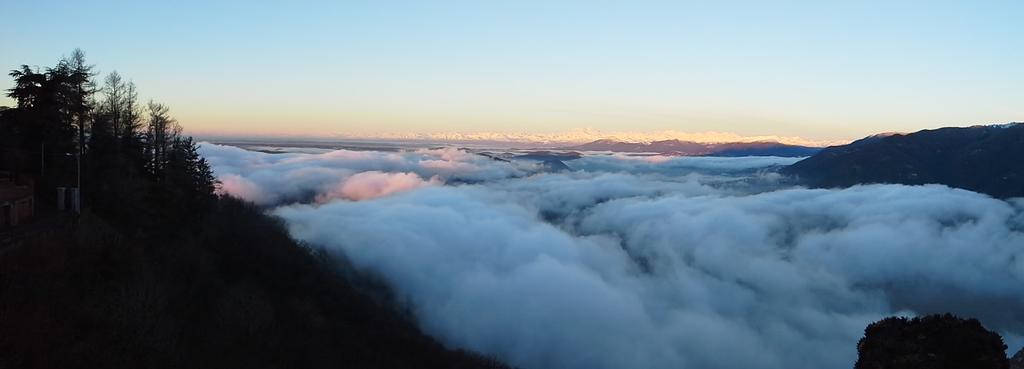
{"x": 374, "y": 184}
{"x": 615, "y": 266}
{"x": 274, "y": 179}
{"x": 670, "y": 165}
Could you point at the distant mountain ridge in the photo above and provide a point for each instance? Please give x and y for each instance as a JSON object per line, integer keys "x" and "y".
{"x": 571, "y": 137}
{"x": 986, "y": 159}
{"x": 691, "y": 148}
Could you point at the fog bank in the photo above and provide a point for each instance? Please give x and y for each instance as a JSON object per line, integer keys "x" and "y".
{"x": 645, "y": 263}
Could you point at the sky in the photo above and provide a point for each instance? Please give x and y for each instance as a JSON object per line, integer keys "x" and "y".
{"x": 814, "y": 69}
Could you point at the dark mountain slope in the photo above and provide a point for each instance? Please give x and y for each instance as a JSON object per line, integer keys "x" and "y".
{"x": 234, "y": 292}
{"x": 664, "y": 146}
{"x": 986, "y": 159}
{"x": 762, "y": 149}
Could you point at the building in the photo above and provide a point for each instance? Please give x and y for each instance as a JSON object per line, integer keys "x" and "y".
{"x": 17, "y": 200}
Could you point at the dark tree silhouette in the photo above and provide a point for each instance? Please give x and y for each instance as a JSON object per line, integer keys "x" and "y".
{"x": 119, "y": 107}
{"x": 29, "y": 87}
{"x": 930, "y": 342}
{"x": 161, "y": 133}
{"x": 159, "y": 272}
{"x": 124, "y": 167}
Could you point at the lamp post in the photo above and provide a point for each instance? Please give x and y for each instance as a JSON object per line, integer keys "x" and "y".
{"x": 77, "y": 205}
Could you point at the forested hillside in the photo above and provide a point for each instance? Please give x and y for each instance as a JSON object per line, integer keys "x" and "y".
{"x": 984, "y": 159}
{"x": 158, "y": 271}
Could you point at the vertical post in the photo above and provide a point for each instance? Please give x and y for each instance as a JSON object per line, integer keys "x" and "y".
{"x": 75, "y": 201}
{"x": 60, "y": 198}
{"x": 42, "y": 159}
{"x": 81, "y": 146}
{"x": 78, "y": 189}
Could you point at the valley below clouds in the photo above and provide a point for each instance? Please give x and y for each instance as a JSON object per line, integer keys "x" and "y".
{"x": 643, "y": 261}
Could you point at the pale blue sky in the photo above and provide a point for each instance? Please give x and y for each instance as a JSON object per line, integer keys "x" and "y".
{"x": 824, "y": 70}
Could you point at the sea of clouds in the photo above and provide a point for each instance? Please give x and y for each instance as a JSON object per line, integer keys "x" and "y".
{"x": 644, "y": 261}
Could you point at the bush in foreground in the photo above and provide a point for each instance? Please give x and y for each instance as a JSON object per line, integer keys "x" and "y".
{"x": 930, "y": 342}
